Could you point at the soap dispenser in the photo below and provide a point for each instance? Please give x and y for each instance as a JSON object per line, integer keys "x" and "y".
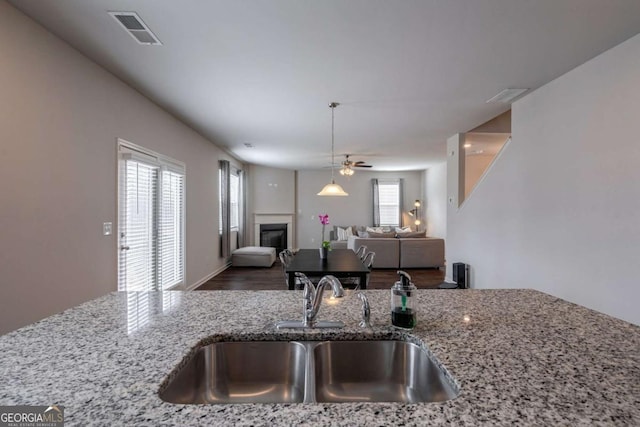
{"x": 403, "y": 295}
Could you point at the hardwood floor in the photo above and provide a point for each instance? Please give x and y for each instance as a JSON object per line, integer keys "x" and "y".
{"x": 247, "y": 278}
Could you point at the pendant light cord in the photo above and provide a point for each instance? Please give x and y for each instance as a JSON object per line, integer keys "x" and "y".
{"x": 333, "y": 106}
{"x": 333, "y": 189}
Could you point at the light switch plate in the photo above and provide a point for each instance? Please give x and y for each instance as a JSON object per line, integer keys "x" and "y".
{"x": 107, "y": 228}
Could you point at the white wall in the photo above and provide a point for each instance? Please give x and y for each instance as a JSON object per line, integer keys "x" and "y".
{"x": 558, "y": 211}
{"x": 60, "y": 115}
{"x": 356, "y": 209}
{"x": 436, "y": 200}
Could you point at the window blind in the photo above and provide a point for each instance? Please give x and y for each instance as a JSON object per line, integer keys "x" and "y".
{"x": 234, "y": 199}
{"x": 389, "y": 202}
{"x": 170, "y": 233}
{"x": 138, "y": 243}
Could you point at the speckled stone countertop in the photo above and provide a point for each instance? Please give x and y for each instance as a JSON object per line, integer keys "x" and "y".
{"x": 521, "y": 358}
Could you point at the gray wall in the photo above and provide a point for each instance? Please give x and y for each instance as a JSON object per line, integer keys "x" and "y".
{"x": 356, "y": 209}
{"x": 60, "y": 116}
{"x": 271, "y": 191}
{"x": 558, "y": 211}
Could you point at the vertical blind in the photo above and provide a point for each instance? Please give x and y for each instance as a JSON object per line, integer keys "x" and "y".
{"x": 151, "y": 222}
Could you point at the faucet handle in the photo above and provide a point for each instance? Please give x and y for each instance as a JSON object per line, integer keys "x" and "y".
{"x": 366, "y": 311}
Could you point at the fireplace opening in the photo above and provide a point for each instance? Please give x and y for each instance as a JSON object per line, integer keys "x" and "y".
{"x": 274, "y": 236}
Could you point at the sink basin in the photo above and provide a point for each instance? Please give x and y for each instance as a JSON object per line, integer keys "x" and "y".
{"x": 241, "y": 372}
{"x": 309, "y": 372}
{"x": 392, "y": 371}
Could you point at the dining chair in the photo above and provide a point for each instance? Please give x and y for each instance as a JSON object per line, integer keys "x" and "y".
{"x": 355, "y": 281}
{"x": 362, "y": 250}
{"x": 368, "y": 260}
{"x": 285, "y": 259}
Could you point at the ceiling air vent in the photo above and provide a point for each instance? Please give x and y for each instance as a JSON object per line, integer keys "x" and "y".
{"x": 131, "y": 22}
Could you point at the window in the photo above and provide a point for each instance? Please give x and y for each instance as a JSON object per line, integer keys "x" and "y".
{"x": 234, "y": 200}
{"x": 230, "y": 208}
{"x": 387, "y": 202}
{"x": 150, "y": 220}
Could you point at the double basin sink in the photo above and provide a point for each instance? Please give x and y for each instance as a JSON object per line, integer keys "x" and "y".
{"x": 309, "y": 372}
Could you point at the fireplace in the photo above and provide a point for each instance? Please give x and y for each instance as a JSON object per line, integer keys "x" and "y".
{"x": 274, "y": 236}
{"x": 279, "y": 219}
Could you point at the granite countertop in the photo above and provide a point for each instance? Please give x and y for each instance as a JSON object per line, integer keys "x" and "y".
{"x": 521, "y": 357}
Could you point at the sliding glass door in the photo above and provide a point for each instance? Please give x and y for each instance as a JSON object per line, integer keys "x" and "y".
{"x": 150, "y": 220}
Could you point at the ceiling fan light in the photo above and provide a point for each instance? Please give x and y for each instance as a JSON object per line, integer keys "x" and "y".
{"x": 346, "y": 171}
{"x": 332, "y": 189}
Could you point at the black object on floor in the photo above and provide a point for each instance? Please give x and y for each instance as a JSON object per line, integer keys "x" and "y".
{"x": 461, "y": 274}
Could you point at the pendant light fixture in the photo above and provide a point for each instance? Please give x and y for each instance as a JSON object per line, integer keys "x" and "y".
{"x": 332, "y": 189}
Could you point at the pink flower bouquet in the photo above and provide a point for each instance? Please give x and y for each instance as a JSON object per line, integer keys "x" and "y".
{"x": 324, "y": 220}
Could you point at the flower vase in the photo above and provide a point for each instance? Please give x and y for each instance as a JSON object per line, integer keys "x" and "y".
{"x": 324, "y": 253}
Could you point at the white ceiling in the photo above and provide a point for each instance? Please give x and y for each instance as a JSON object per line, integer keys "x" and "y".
{"x": 408, "y": 73}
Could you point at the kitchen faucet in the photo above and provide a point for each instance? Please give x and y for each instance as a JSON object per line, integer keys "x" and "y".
{"x": 312, "y": 297}
{"x": 311, "y": 301}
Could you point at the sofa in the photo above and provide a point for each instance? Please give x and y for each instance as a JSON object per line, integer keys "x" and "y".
{"x": 395, "y": 251}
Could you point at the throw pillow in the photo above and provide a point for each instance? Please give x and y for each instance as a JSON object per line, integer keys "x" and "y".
{"x": 363, "y": 234}
{"x": 412, "y": 235}
{"x": 390, "y": 235}
{"x": 403, "y": 230}
{"x": 349, "y": 232}
{"x": 344, "y": 233}
{"x": 374, "y": 230}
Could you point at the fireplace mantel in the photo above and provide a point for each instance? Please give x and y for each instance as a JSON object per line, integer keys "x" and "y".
{"x": 273, "y": 218}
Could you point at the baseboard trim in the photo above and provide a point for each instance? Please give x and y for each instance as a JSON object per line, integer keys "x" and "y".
{"x": 208, "y": 277}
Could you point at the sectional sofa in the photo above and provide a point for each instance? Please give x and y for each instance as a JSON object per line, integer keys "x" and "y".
{"x": 398, "y": 252}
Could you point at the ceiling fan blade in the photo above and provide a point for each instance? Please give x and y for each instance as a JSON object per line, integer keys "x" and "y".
{"x": 346, "y": 163}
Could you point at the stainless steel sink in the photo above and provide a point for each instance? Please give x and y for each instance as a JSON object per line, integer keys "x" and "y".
{"x": 378, "y": 371}
{"x": 309, "y": 372}
{"x": 241, "y": 372}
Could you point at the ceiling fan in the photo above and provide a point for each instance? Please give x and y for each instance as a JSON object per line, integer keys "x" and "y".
{"x": 348, "y": 165}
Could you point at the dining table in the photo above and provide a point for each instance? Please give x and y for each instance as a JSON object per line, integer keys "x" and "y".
{"x": 340, "y": 263}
